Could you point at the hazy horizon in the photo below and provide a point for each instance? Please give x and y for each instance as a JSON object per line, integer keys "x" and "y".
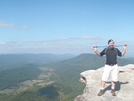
{"x": 126, "y": 56}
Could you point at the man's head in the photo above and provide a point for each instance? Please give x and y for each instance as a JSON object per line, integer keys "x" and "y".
{"x": 111, "y": 43}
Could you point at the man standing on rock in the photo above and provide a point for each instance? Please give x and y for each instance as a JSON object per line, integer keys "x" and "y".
{"x": 111, "y": 67}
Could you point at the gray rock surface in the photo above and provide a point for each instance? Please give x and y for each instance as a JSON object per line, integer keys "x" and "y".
{"x": 124, "y": 87}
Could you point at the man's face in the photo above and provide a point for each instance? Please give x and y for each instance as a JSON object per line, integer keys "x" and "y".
{"x": 111, "y": 44}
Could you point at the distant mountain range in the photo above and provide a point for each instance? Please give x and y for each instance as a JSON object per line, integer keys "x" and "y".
{"x": 86, "y": 61}
{"x": 15, "y": 60}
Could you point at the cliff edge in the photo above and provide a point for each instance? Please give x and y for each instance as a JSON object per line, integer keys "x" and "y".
{"x": 124, "y": 87}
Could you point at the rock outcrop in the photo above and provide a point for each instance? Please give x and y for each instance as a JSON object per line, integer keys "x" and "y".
{"x": 124, "y": 87}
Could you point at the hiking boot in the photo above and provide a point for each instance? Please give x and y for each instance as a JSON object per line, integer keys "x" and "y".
{"x": 101, "y": 92}
{"x": 113, "y": 92}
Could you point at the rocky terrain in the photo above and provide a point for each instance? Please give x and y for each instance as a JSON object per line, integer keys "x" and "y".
{"x": 124, "y": 87}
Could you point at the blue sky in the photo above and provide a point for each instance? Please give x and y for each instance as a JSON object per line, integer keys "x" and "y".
{"x": 65, "y": 26}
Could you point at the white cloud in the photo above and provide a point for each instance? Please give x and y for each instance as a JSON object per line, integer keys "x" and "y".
{"x": 23, "y": 47}
{"x": 2, "y": 43}
{"x": 35, "y": 41}
{"x": 85, "y": 13}
{"x": 66, "y": 44}
{"x": 24, "y": 26}
{"x": 11, "y": 25}
{"x": 80, "y": 31}
{"x": 65, "y": 39}
{"x": 9, "y": 44}
{"x": 88, "y": 38}
{"x": 62, "y": 40}
{"x": 52, "y": 31}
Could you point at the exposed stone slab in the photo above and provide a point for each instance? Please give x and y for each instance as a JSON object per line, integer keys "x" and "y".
{"x": 124, "y": 88}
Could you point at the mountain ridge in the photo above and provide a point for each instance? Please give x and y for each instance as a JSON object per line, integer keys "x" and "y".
{"x": 15, "y": 60}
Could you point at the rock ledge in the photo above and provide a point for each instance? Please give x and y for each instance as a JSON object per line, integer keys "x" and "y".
{"x": 124, "y": 87}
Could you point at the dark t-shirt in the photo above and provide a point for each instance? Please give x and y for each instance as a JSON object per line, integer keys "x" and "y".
{"x": 111, "y": 55}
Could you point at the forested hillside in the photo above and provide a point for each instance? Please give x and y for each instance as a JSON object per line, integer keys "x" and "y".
{"x": 11, "y": 77}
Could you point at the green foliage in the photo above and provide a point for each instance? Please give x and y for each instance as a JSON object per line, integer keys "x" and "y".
{"x": 49, "y": 91}
{"x": 11, "y": 77}
{"x": 26, "y": 96}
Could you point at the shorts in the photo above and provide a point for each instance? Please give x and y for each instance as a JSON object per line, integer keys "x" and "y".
{"x": 110, "y": 73}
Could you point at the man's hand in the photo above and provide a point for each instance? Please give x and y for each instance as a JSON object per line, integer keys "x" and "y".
{"x": 124, "y": 50}
{"x": 94, "y": 48}
{"x": 124, "y": 46}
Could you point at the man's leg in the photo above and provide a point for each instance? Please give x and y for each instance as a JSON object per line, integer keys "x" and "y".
{"x": 105, "y": 76}
{"x": 113, "y": 88}
{"x": 102, "y": 88}
{"x": 113, "y": 84}
{"x": 114, "y": 79}
{"x": 103, "y": 84}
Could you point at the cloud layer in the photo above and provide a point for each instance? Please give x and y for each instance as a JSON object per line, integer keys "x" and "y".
{"x": 65, "y": 39}
{"x": 58, "y": 46}
{"x": 11, "y": 25}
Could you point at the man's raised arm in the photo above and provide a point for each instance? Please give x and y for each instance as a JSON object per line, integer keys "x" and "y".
{"x": 95, "y": 50}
